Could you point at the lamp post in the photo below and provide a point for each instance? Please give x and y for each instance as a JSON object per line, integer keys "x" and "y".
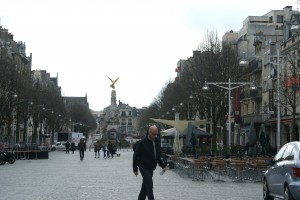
{"x": 230, "y": 86}
{"x": 13, "y": 140}
{"x": 278, "y": 105}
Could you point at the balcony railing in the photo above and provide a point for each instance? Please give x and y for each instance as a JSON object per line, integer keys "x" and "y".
{"x": 255, "y": 118}
{"x": 253, "y": 66}
{"x": 252, "y": 93}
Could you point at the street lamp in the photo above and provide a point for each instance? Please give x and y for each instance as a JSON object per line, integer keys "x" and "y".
{"x": 13, "y": 140}
{"x": 230, "y": 86}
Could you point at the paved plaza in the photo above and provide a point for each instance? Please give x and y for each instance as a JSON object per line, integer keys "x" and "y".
{"x": 64, "y": 176}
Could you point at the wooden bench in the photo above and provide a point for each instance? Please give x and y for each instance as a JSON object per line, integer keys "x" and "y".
{"x": 219, "y": 165}
{"x": 237, "y": 166}
{"x": 200, "y": 168}
{"x": 257, "y": 167}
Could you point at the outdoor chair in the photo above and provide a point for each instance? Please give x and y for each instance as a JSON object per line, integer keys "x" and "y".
{"x": 236, "y": 167}
{"x": 201, "y": 169}
{"x": 219, "y": 169}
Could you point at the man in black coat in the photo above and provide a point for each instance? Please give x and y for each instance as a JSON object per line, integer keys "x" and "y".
{"x": 68, "y": 146}
{"x": 145, "y": 158}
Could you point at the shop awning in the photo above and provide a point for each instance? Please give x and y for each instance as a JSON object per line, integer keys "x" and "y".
{"x": 181, "y": 125}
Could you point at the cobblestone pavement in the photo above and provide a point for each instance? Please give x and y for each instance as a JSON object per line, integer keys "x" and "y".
{"x": 64, "y": 176}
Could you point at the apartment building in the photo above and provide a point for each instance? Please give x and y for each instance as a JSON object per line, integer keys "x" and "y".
{"x": 262, "y": 44}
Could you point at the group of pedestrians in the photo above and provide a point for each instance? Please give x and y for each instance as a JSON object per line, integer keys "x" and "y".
{"x": 81, "y": 147}
{"x": 70, "y": 145}
{"x": 108, "y": 151}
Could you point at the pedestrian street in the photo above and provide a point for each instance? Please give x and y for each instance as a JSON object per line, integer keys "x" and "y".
{"x": 64, "y": 176}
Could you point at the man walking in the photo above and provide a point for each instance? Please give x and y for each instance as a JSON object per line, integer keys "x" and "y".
{"x": 73, "y": 147}
{"x": 145, "y": 158}
{"x": 68, "y": 146}
{"x": 81, "y": 148}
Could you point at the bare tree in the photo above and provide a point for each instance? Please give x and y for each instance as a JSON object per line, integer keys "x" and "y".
{"x": 289, "y": 89}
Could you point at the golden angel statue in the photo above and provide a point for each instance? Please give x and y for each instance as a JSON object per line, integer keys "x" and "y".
{"x": 113, "y": 82}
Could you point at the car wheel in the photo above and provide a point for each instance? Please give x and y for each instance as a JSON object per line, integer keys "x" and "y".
{"x": 287, "y": 193}
{"x": 266, "y": 192}
{"x": 53, "y": 148}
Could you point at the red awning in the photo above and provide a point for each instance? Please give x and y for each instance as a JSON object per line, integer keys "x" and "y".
{"x": 284, "y": 120}
{"x": 293, "y": 83}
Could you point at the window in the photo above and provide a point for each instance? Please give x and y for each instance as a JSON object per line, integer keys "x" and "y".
{"x": 278, "y": 156}
{"x": 265, "y": 86}
{"x": 123, "y": 114}
{"x": 288, "y": 153}
{"x": 279, "y": 18}
{"x": 129, "y": 122}
{"x": 270, "y": 19}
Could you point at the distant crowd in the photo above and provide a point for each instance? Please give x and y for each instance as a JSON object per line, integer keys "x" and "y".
{"x": 108, "y": 148}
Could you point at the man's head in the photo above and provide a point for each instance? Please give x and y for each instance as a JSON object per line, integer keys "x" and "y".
{"x": 152, "y": 132}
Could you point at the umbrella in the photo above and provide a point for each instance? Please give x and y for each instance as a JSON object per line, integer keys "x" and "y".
{"x": 251, "y": 139}
{"x": 262, "y": 138}
{"x": 193, "y": 140}
{"x": 168, "y": 132}
{"x": 176, "y": 145}
{"x": 262, "y": 135}
{"x": 180, "y": 145}
{"x": 189, "y": 134}
{"x": 200, "y": 132}
{"x": 252, "y": 135}
{"x": 180, "y": 125}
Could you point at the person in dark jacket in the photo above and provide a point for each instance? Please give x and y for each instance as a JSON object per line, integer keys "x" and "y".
{"x": 81, "y": 148}
{"x": 145, "y": 158}
{"x": 68, "y": 146}
{"x": 97, "y": 148}
{"x": 111, "y": 148}
{"x": 73, "y": 147}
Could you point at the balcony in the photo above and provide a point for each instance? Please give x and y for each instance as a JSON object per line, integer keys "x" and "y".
{"x": 253, "y": 66}
{"x": 255, "y": 118}
{"x": 254, "y": 94}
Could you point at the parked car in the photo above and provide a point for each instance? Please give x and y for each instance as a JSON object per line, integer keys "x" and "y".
{"x": 282, "y": 179}
{"x": 44, "y": 147}
{"x": 59, "y": 146}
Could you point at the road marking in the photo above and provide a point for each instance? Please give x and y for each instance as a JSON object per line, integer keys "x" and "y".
{"x": 89, "y": 186}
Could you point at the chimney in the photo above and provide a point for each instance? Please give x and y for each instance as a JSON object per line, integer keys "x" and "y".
{"x": 11, "y": 36}
{"x": 4, "y": 33}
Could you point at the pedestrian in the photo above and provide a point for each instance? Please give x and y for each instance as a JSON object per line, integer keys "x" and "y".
{"x": 97, "y": 148}
{"x": 68, "y": 146}
{"x": 73, "y": 147}
{"x": 120, "y": 145}
{"x": 104, "y": 149}
{"x": 84, "y": 144}
{"x": 81, "y": 148}
{"x": 111, "y": 149}
{"x": 107, "y": 152}
{"x": 145, "y": 158}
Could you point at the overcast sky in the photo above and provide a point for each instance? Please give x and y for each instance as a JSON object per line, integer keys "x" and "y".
{"x": 139, "y": 41}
